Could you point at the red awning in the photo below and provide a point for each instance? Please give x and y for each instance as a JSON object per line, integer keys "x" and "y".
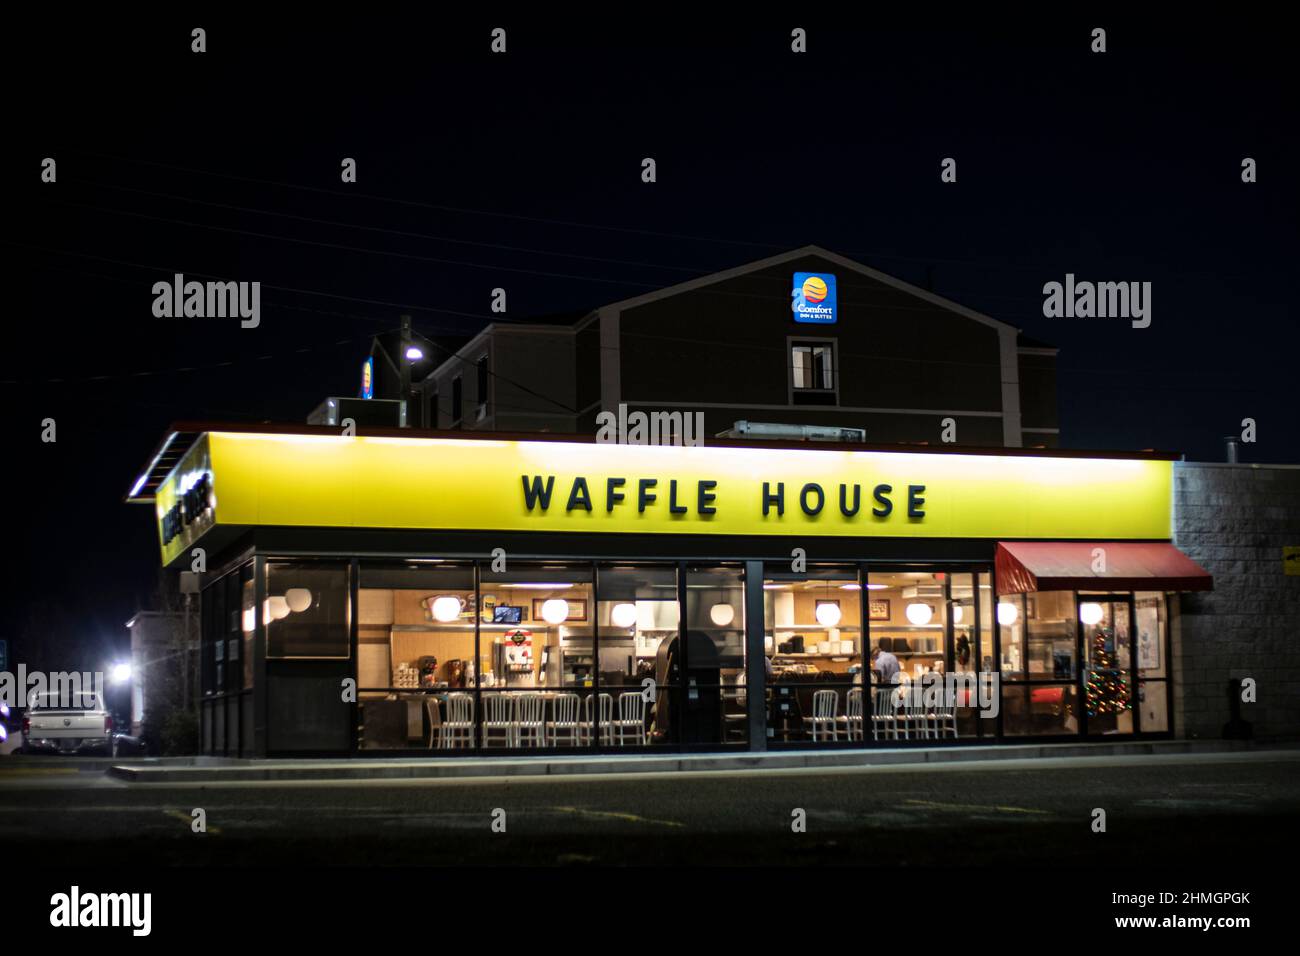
{"x": 1069, "y": 566}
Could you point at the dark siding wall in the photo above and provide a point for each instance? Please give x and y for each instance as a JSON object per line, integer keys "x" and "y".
{"x": 587, "y": 361}
{"x": 728, "y": 341}
{"x": 1038, "y": 391}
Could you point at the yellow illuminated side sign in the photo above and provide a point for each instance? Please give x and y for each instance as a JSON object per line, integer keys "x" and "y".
{"x": 369, "y": 482}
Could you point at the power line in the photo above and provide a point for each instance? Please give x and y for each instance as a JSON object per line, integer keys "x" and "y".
{"x": 396, "y": 232}
{"x": 352, "y": 194}
{"x": 345, "y": 248}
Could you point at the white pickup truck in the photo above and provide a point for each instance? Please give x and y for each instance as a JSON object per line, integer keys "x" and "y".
{"x": 67, "y": 724}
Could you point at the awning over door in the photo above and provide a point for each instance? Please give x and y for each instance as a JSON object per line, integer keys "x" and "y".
{"x": 1071, "y": 566}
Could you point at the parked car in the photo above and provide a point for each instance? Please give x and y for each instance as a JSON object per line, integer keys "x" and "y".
{"x": 67, "y": 724}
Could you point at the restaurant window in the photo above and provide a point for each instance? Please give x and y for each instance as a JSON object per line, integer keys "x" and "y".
{"x": 638, "y": 616}
{"x": 812, "y": 634}
{"x": 812, "y": 370}
{"x": 711, "y": 667}
{"x": 922, "y": 664}
{"x": 481, "y": 384}
{"x": 1039, "y": 670}
{"x": 456, "y": 398}
{"x": 415, "y": 650}
{"x": 539, "y": 660}
{"x": 1050, "y": 635}
{"x": 306, "y": 610}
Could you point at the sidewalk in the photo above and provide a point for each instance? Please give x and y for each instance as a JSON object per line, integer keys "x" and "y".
{"x": 197, "y": 770}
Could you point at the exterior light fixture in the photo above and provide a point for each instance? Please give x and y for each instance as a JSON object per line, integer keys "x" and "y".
{"x": 555, "y": 611}
{"x": 446, "y": 608}
{"x": 1008, "y": 614}
{"x": 1090, "y": 613}
{"x": 919, "y": 614}
{"x": 623, "y": 615}
{"x": 413, "y": 353}
{"x": 121, "y": 672}
{"x": 722, "y": 614}
{"x": 299, "y": 599}
{"x": 828, "y": 614}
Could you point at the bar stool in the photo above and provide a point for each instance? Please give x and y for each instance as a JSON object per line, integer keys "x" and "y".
{"x": 884, "y": 712}
{"x": 529, "y": 729}
{"x": 498, "y": 716}
{"x": 458, "y": 728}
{"x": 824, "y": 718}
{"x": 852, "y": 718}
{"x": 606, "y": 719}
{"x": 565, "y": 720}
{"x": 631, "y": 718}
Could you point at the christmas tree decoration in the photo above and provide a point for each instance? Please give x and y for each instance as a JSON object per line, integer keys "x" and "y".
{"x": 1108, "y": 690}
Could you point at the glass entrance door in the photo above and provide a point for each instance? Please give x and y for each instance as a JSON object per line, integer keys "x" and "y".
{"x": 1106, "y": 633}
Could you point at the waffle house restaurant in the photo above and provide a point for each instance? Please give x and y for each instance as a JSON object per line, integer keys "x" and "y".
{"x": 402, "y": 592}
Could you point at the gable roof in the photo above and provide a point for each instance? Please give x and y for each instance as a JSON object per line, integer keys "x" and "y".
{"x": 837, "y": 259}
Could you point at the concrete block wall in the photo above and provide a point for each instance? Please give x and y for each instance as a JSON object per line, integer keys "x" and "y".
{"x": 1234, "y": 521}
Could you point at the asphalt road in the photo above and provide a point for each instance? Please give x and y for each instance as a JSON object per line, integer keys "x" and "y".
{"x": 1174, "y": 809}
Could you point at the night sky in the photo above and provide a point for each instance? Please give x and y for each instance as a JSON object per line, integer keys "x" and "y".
{"x": 523, "y": 171}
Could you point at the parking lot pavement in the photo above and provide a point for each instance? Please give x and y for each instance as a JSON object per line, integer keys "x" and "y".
{"x": 1168, "y": 808}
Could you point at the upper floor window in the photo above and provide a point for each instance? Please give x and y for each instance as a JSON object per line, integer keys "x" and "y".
{"x": 812, "y": 368}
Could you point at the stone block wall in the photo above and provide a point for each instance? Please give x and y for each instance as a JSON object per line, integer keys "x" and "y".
{"x": 1234, "y": 521}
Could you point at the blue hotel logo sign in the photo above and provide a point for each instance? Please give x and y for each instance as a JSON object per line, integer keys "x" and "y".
{"x": 813, "y": 298}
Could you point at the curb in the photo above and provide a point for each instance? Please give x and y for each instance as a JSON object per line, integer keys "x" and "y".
{"x": 235, "y": 771}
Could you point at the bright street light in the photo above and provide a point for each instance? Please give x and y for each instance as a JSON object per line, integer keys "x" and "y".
{"x": 121, "y": 673}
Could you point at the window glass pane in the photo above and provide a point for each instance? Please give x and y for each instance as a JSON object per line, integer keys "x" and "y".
{"x": 1108, "y": 689}
{"x": 1011, "y": 625}
{"x": 714, "y": 657}
{"x": 306, "y": 609}
{"x": 1039, "y": 709}
{"x": 1050, "y": 635}
{"x": 639, "y": 617}
{"x": 812, "y": 626}
{"x": 415, "y": 648}
{"x": 823, "y": 358}
{"x": 1151, "y": 632}
{"x": 800, "y": 357}
{"x": 551, "y": 644}
{"x": 813, "y": 365}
